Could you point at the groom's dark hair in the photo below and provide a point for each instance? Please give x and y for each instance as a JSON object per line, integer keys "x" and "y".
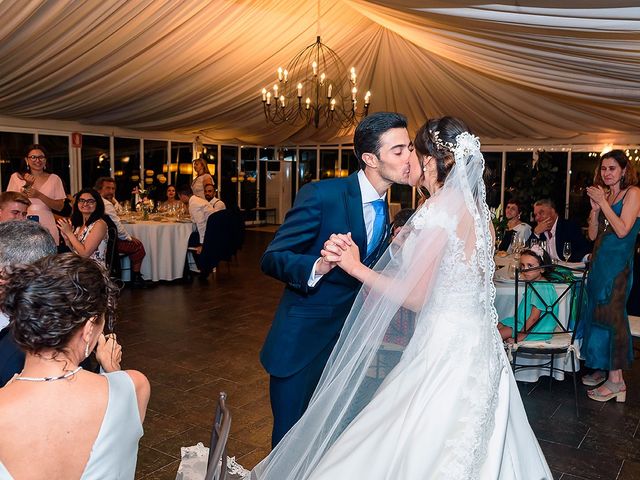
{"x": 366, "y": 138}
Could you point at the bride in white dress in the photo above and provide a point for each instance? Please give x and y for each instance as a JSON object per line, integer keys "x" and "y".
{"x": 449, "y": 408}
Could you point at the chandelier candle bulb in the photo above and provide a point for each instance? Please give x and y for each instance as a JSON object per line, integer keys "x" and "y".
{"x": 308, "y": 102}
{"x": 280, "y": 74}
{"x": 333, "y": 104}
{"x": 299, "y": 90}
{"x": 275, "y": 91}
{"x": 282, "y": 100}
{"x": 354, "y": 90}
{"x": 322, "y": 77}
{"x": 286, "y": 75}
{"x": 329, "y": 91}
{"x": 268, "y": 98}
{"x": 353, "y": 75}
{"x": 264, "y": 94}
{"x": 314, "y": 65}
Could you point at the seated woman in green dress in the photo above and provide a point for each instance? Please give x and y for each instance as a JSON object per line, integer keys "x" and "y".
{"x": 538, "y": 296}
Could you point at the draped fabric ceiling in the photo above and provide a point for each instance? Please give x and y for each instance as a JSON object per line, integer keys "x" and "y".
{"x": 516, "y": 71}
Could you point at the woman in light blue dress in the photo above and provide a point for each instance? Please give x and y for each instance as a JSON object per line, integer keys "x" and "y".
{"x": 614, "y": 223}
{"x": 57, "y": 420}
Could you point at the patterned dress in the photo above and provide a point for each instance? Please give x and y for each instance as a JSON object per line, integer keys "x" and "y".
{"x": 607, "y": 341}
{"x": 99, "y": 255}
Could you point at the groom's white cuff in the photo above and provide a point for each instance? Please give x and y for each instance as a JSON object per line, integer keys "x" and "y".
{"x": 314, "y": 278}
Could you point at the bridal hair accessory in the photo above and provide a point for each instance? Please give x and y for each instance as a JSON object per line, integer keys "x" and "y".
{"x": 440, "y": 144}
{"x": 466, "y": 144}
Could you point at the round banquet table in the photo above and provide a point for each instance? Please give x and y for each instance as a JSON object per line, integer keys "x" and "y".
{"x": 166, "y": 245}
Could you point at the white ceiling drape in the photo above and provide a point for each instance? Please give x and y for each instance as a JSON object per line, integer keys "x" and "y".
{"x": 516, "y": 71}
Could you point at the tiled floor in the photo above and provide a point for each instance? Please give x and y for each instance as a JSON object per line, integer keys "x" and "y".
{"x": 194, "y": 340}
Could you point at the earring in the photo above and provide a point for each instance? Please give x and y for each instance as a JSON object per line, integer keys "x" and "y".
{"x": 86, "y": 350}
{"x": 424, "y": 169}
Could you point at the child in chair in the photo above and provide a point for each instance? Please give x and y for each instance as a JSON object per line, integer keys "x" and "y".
{"x": 538, "y": 296}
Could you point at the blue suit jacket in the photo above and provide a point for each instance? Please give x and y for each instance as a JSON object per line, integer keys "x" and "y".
{"x": 308, "y": 319}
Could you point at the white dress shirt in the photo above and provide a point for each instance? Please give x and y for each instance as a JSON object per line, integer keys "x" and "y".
{"x": 110, "y": 210}
{"x": 217, "y": 204}
{"x": 551, "y": 242}
{"x": 200, "y": 209}
{"x": 368, "y": 195}
{"x": 4, "y": 320}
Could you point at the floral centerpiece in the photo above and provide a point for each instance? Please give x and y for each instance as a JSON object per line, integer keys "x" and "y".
{"x": 499, "y": 223}
{"x": 145, "y": 204}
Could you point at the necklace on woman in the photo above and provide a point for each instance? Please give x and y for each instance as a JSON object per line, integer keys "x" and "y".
{"x": 49, "y": 379}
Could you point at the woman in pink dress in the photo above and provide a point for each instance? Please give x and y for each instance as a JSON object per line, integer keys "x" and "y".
{"x": 44, "y": 189}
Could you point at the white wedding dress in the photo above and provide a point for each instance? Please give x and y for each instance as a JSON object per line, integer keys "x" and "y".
{"x": 450, "y": 408}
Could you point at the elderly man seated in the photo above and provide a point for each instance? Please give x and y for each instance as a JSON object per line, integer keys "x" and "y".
{"x": 13, "y": 206}
{"x": 556, "y": 231}
{"x": 24, "y": 243}
{"x": 126, "y": 244}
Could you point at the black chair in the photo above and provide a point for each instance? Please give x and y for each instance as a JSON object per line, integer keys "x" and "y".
{"x": 221, "y": 241}
{"x": 571, "y": 283}
{"x": 217, "y": 462}
{"x": 112, "y": 258}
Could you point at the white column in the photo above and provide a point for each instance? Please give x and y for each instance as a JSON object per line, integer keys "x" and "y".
{"x": 568, "y": 189}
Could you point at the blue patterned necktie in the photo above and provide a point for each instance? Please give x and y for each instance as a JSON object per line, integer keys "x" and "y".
{"x": 378, "y": 225}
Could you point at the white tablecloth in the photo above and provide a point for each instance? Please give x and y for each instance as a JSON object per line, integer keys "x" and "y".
{"x": 505, "y": 306}
{"x": 166, "y": 247}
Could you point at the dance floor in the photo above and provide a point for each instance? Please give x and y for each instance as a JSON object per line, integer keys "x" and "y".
{"x": 194, "y": 340}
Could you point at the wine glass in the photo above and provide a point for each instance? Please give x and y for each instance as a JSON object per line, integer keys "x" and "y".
{"x": 566, "y": 251}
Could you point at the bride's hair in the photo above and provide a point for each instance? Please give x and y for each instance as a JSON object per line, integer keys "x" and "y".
{"x": 437, "y": 139}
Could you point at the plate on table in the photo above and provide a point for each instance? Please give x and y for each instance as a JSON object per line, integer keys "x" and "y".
{"x": 577, "y": 265}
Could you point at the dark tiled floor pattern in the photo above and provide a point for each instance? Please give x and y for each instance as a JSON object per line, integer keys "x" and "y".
{"x": 194, "y": 340}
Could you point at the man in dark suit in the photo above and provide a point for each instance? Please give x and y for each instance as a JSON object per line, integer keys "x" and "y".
{"x": 317, "y": 296}
{"x": 556, "y": 231}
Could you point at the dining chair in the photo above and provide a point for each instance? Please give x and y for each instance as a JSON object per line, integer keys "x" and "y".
{"x": 217, "y": 462}
{"x": 569, "y": 284}
{"x": 111, "y": 255}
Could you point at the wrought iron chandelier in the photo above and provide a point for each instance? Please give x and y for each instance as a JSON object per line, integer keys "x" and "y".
{"x": 315, "y": 89}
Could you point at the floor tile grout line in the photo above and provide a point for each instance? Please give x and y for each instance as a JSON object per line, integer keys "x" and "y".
{"x": 585, "y": 436}
{"x": 620, "y": 469}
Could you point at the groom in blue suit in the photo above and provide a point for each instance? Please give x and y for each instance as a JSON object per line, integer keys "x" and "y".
{"x": 317, "y": 296}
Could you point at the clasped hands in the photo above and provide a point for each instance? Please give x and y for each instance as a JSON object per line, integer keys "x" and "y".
{"x": 109, "y": 352}
{"x": 597, "y": 197}
{"x": 341, "y": 250}
{"x": 28, "y": 189}
{"x": 65, "y": 227}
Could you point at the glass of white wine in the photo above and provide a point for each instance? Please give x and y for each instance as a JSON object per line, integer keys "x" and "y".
{"x": 566, "y": 251}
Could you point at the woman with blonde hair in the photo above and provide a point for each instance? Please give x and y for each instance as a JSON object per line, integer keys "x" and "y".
{"x": 203, "y": 177}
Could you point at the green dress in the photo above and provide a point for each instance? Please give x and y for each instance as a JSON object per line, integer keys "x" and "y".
{"x": 607, "y": 343}
{"x": 544, "y": 294}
